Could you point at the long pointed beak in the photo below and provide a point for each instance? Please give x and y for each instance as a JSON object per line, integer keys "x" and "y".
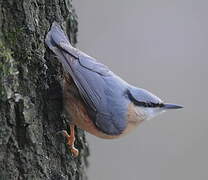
{"x": 172, "y": 106}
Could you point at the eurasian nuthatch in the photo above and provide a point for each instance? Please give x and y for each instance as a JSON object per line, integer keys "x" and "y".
{"x": 96, "y": 99}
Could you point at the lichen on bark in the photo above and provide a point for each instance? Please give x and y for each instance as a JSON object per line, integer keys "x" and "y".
{"x": 31, "y": 94}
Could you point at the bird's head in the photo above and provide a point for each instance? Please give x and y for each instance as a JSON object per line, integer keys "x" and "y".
{"x": 147, "y": 104}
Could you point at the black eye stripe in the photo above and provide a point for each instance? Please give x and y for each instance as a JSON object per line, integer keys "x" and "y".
{"x": 149, "y": 104}
{"x": 144, "y": 104}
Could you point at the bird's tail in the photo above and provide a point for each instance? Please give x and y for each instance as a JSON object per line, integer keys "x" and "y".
{"x": 57, "y": 40}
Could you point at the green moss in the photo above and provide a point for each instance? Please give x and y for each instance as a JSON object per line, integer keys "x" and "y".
{"x": 7, "y": 63}
{"x": 8, "y": 70}
{"x": 5, "y": 56}
{"x": 5, "y": 52}
{"x": 11, "y": 37}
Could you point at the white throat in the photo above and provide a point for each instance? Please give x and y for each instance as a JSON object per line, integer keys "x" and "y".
{"x": 148, "y": 113}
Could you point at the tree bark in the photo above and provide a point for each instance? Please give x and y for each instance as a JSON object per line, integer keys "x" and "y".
{"x": 31, "y": 94}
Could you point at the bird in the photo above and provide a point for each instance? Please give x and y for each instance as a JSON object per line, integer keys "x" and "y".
{"x": 96, "y": 99}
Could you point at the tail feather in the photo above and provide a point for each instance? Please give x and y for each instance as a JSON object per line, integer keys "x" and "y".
{"x": 56, "y": 38}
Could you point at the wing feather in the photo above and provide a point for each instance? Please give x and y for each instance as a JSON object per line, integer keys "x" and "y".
{"x": 90, "y": 79}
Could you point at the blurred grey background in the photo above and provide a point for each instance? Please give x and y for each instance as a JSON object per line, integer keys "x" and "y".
{"x": 160, "y": 45}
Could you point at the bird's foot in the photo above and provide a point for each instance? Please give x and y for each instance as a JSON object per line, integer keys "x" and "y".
{"x": 70, "y": 140}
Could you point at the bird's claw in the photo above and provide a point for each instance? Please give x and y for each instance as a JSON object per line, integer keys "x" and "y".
{"x": 74, "y": 151}
{"x": 70, "y": 142}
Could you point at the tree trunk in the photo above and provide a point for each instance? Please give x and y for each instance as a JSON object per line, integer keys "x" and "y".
{"x": 31, "y": 94}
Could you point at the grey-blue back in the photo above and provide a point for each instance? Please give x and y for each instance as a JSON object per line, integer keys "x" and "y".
{"x": 104, "y": 93}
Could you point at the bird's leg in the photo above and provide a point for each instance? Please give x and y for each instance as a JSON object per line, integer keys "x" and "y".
{"x": 70, "y": 140}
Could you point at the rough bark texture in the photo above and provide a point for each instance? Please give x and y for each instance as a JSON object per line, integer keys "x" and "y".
{"x": 31, "y": 94}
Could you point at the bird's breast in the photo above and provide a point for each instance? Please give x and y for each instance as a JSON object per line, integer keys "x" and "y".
{"x": 133, "y": 119}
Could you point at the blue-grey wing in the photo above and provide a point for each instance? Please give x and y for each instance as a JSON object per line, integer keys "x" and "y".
{"x": 80, "y": 69}
{"x": 90, "y": 77}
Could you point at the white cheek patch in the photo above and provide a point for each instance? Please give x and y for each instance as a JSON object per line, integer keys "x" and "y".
{"x": 149, "y": 113}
